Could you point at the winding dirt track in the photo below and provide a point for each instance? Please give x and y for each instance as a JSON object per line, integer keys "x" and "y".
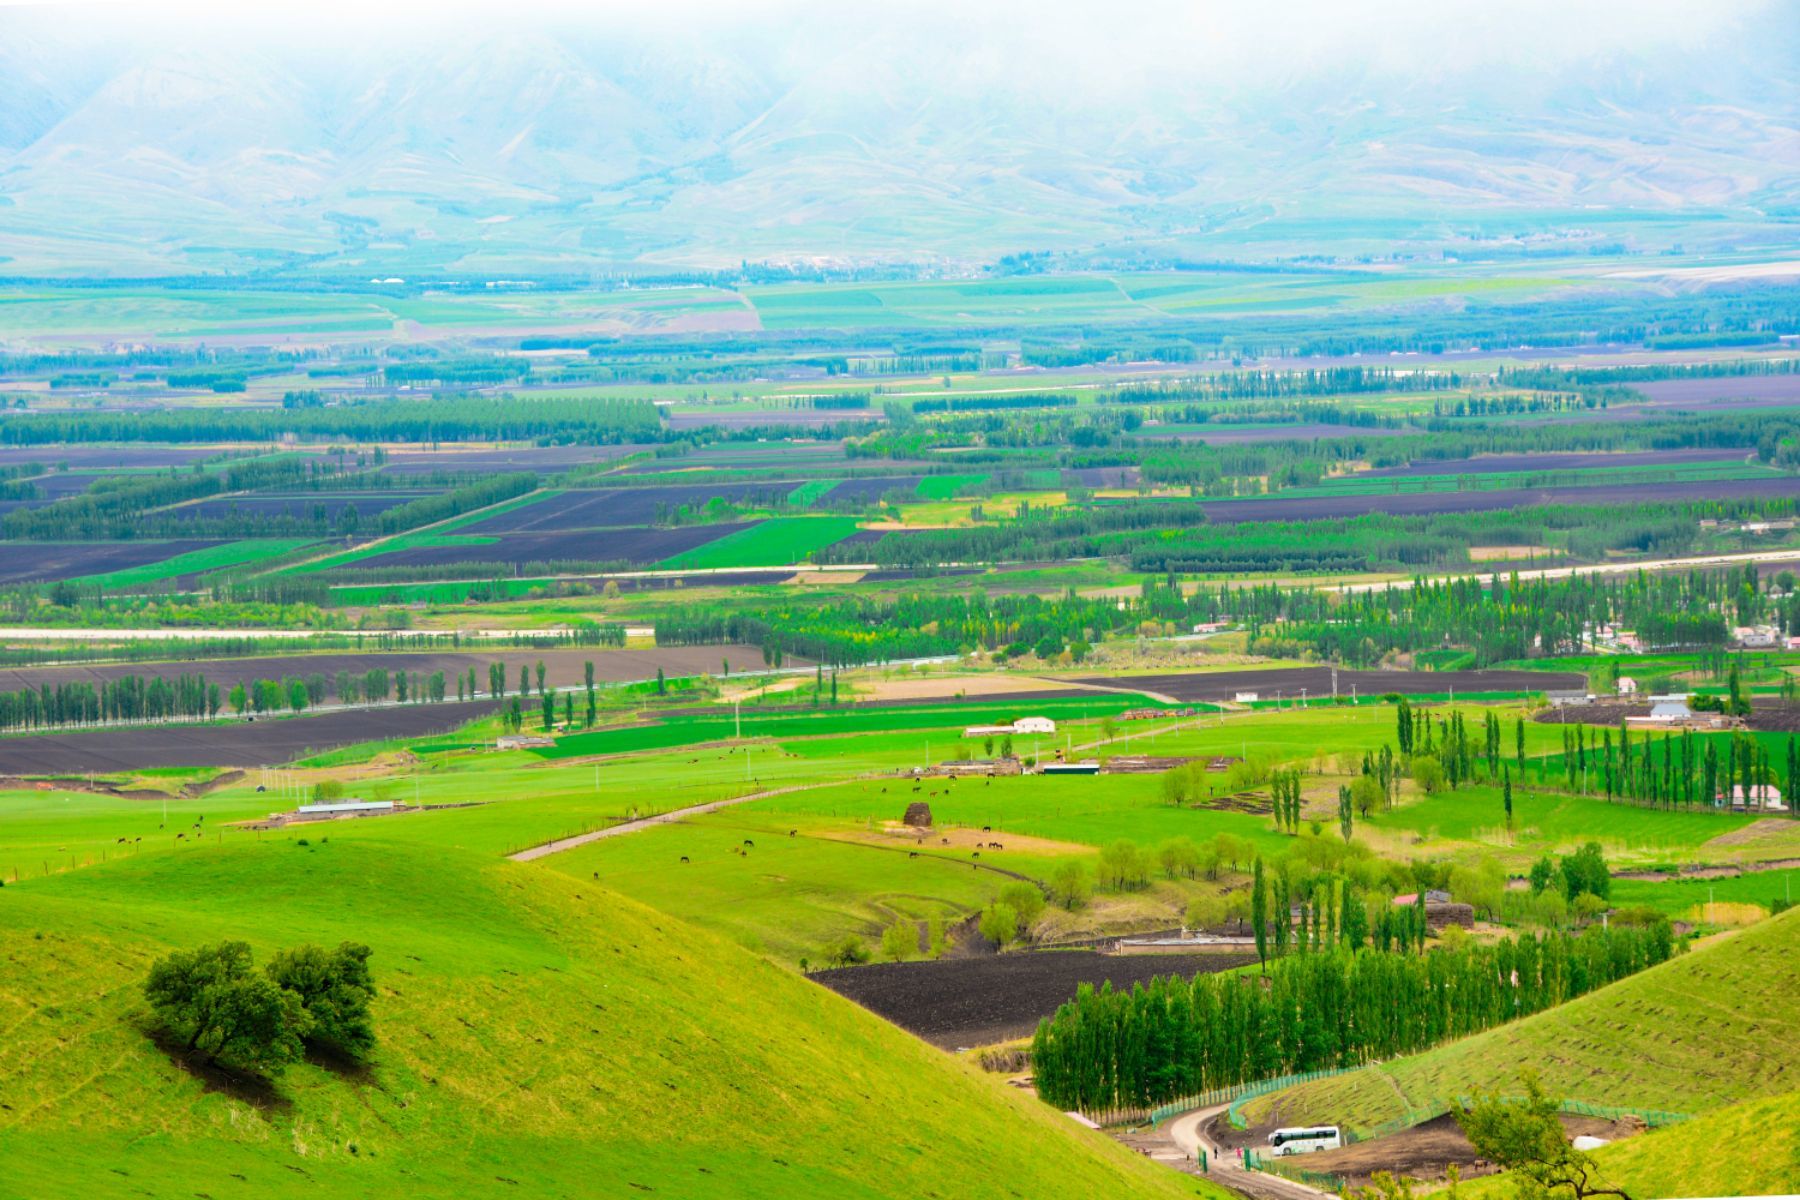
{"x": 667, "y": 818}
{"x": 1188, "y": 1133}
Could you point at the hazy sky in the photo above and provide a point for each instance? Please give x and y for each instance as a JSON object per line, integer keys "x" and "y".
{"x": 1232, "y": 37}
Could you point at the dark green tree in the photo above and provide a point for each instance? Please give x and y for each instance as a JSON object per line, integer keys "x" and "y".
{"x": 213, "y": 1001}
{"x": 335, "y": 990}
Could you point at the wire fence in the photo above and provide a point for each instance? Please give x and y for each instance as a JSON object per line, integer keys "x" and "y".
{"x": 1207, "y": 1099}
{"x": 1435, "y": 1108}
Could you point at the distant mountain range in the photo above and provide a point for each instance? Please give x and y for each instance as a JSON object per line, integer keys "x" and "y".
{"x": 553, "y": 145}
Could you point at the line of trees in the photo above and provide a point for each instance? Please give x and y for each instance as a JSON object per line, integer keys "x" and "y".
{"x": 1175, "y": 1038}
{"x": 155, "y": 697}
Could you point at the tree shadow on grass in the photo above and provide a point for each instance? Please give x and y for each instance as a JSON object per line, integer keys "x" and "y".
{"x": 258, "y": 1091}
{"x": 346, "y": 1067}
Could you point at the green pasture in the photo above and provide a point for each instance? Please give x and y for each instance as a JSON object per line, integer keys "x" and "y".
{"x": 945, "y": 487}
{"x": 777, "y": 541}
{"x": 1677, "y": 897}
{"x": 784, "y": 895}
{"x": 1552, "y": 821}
{"x": 695, "y": 729}
{"x": 537, "y": 1032}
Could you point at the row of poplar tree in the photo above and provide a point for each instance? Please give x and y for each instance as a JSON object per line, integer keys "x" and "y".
{"x": 1173, "y": 1039}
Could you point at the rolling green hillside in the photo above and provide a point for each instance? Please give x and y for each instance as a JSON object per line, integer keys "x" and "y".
{"x": 1710, "y": 1028}
{"x": 540, "y": 1037}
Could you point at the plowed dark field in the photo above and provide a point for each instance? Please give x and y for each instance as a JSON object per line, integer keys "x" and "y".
{"x": 977, "y": 1001}
{"x": 868, "y": 490}
{"x": 605, "y": 546}
{"x": 1227, "y": 436}
{"x": 302, "y": 505}
{"x": 612, "y": 508}
{"x": 101, "y": 457}
{"x": 29, "y": 562}
{"x": 798, "y": 417}
{"x": 1681, "y": 392}
{"x": 562, "y": 668}
{"x": 261, "y": 743}
{"x": 544, "y": 459}
{"x": 1488, "y": 464}
{"x": 1287, "y": 682}
{"x": 1306, "y": 508}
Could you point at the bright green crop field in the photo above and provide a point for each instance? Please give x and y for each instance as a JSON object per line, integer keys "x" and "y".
{"x": 777, "y": 541}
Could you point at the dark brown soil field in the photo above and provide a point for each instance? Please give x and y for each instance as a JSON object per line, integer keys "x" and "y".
{"x": 1287, "y": 682}
{"x": 1307, "y": 508}
{"x": 1772, "y": 388}
{"x": 1227, "y": 436}
{"x": 958, "y": 1002}
{"x": 261, "y": 743}
{"x": 28, "y": 562}
{"x": 1486, "y": 464}
{"x": 775, "y": 416}
{"x": 777, "y": 455}
{"x": 65, "y": 483}
{"x": 1101, "y": 477}
{"x": 545, "y": 459}
{"x": 641, "y": 545}
{"x": 1424, "y": 1152}
{"x": 300, "y": 505}
{"x": 563, "y": 668}
{"x": 88, "y": 457}
{"x": 613, "y": 508}
{"x": 851, "y": 491}
{"x": 1774, "y": 717}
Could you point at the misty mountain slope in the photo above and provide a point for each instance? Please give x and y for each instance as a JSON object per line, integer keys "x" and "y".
{"x": 912, "y": 134}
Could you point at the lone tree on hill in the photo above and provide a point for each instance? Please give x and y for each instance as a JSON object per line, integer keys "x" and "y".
{"x": 219, "y": 1007}
{"x": 1525, "y": 1138}
{"x": 335, "y": 990}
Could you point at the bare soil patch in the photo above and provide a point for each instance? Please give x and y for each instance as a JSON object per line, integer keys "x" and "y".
{"x": 964, "y": 1002}
{"x": 1486, "y": 464}
{"x": 261, "y": 743}
{"x": 1508, "y": 553}
{"x": 1305, "y": 508}
{"x": 1424, "y": 1152}
{"x": 938, "y": 687}
{"x": 562, "y": 668}
{"x": 32, "y": 562}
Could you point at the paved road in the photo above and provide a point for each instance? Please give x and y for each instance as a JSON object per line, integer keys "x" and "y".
{"x": 1188, "y": 1134}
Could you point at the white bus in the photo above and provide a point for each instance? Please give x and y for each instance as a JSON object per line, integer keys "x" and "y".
{"x": 1304, "y": 1139}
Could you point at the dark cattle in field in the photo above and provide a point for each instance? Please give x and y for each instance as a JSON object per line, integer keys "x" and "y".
{"x": 684, "y": 858}
{"x": 750, "y": 843}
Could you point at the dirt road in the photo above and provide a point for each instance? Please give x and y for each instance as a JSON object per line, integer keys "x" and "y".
{"x": 667, "y": 818}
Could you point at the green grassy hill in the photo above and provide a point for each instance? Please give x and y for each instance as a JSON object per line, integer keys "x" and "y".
{"x": 540, "y": 1037}
{"x": 1743, "y": 1150}
{"x": 1710, "y": 1028}
{"x": 1747, "y": 1149}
